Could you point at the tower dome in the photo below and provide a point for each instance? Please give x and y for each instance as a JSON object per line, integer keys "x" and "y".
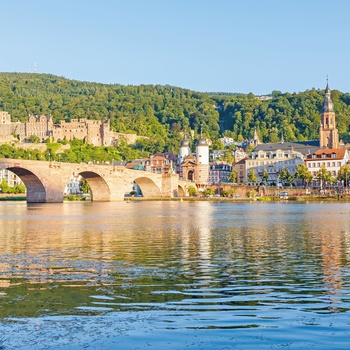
{"x": 184, "y": 143}
{"x": 184, "y": 149}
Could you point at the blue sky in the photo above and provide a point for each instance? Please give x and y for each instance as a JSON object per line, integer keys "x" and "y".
{"x": 223, "y": 45}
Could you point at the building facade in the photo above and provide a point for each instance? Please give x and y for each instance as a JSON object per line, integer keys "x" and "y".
{"x": 219, "y": 173}
{"x": 273, "y": 161}
{"x": 331, "y": 159}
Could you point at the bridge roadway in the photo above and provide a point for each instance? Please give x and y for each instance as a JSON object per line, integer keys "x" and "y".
{"x": 46, "y": 180}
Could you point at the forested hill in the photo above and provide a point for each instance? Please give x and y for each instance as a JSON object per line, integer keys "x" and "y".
{"x": 163, "y": 112}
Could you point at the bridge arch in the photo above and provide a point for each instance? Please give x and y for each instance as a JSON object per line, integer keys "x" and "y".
{"x": 148, "y": 187}
{"x": 99, "y": 187}
{"x": 181, "y": 192}
{"x": 35, "y": 189}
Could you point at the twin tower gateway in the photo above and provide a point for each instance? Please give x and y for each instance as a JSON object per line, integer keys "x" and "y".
{"x": 195, "y": 167}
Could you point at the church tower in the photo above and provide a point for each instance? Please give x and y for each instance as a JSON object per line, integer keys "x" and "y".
{"x": 329, "y": 137}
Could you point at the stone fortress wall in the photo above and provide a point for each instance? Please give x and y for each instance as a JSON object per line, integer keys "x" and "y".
{"x": 95, "y": 132}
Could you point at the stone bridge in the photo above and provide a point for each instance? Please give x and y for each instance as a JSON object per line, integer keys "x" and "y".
{"x": 45, "y": 181}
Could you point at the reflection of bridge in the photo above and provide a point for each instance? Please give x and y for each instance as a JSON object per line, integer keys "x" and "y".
{"x": 45, "y": 181}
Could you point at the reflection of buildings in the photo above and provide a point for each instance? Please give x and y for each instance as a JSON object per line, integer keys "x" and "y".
{"x": 196, "y": 238}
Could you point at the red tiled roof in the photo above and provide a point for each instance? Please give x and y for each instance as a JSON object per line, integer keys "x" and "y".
{"x": 328, "y": 152}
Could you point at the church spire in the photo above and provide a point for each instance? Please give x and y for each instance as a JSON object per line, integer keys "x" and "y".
{"x": 327, "y": 104}
{"x": 329, "y": 137}
{"x": 282, "y": 137}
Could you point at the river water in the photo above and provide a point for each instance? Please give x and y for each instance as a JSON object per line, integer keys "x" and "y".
{"x": 174, "y": 275}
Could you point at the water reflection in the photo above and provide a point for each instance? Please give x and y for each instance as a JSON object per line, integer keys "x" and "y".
{"x": 197, "y": 265}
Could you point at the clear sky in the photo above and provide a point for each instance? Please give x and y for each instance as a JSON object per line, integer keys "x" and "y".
{"x": 204, "y": 45}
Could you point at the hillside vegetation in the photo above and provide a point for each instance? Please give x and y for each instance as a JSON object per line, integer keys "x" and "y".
{"x": 164, "y": 112}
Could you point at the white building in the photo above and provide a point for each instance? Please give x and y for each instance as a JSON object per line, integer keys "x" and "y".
{"x": 331, "y": 159}
{"x": 273, "y": 161}
{"x": 73, "y": 186}
{"x": 11, "y": 178}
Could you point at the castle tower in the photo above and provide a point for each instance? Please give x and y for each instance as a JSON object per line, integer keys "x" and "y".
{"x": 202, "y": 154}
{"x": 184, "y": 149}
{"x": 329, "y": 137}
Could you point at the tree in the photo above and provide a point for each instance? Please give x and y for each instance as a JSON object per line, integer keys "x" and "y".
{"x": 233, "y": 176}
{"x": 283, "y": 174}
{"x": 344, "y": 174}
{"x": 84, "y": 186}
{"x": 209, "y": 191}
{"x": 228, "y": 157}
{"x": 192, "y": 191}
{"x": 34, "y": 139}
{"x": 5, "y": 188}
{"x": 252, "y": 177}
{"x": 265, "y": 175}
{"x": 303, "y": 173}
{"x": 324, "y": 176}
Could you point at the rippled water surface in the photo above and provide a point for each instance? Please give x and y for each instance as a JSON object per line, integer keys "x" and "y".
{"x": 174, "y": 275}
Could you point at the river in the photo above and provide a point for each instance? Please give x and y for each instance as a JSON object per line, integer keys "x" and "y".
{"x": 174, "y": 275}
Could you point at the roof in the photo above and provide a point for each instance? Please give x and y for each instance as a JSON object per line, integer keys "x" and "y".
{"x": 304, "y": 147}
{"x": 340, "y": 153}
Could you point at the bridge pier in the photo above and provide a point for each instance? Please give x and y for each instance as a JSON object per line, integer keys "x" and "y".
{"x": 170, "y": 184}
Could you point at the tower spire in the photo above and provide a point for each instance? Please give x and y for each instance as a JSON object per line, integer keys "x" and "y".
{"x": 329, "y": 137}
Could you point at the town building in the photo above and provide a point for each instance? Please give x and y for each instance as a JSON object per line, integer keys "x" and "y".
{"x": 239, "y": 154}
{"x": 11, "y": 178}
{"x": 240, "y": 168}
{"x": 331, "y": 159}
{"x": 273, "y": 160}
{"x": 163, "y": 163}
{"x": 217, "y": 154}
{"x": 219, "y": 173}
{"x": 73, "y": 186}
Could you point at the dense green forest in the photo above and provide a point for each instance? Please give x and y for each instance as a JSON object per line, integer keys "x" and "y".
{"x": 164, "y": 112}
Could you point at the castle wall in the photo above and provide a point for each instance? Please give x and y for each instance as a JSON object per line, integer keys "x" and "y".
{"x": 95, "y": 132}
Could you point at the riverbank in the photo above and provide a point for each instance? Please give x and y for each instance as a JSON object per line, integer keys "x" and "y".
{"x": 340, "y": 197}
{"x": 12, "y": 197}
{"x": 321, "y": 197}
